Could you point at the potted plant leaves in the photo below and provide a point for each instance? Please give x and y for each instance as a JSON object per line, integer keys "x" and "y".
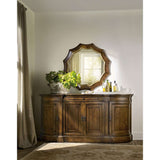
{"x": 61, "y": 82}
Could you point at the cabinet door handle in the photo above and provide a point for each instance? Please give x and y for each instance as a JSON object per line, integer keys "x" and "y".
{"x": 83, "y": 118}
{"x": 110, "y": 118}
{"x": 57, "y": 118}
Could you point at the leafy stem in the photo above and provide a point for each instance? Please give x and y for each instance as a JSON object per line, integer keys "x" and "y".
{"x": 68, "y": 80}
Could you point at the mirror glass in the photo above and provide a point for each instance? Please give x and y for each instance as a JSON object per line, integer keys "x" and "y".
{"x": 89, "y": 63}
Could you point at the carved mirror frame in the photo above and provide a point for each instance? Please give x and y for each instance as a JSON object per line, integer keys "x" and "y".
{"x": 104, "y": 56}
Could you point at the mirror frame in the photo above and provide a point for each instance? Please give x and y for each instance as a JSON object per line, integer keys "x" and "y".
{"x": 104, "y": 56}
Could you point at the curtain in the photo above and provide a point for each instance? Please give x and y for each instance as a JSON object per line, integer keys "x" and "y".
{"x": 26, "y": 135}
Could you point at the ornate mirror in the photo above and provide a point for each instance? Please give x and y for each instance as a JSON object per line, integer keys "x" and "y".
{"x": 91, "y": 62}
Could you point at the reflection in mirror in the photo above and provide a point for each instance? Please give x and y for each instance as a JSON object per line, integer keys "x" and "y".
{"x": 89, "y": 63}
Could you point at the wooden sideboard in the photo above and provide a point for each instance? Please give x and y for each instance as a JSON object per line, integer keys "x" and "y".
{"x": 86, "y": 117}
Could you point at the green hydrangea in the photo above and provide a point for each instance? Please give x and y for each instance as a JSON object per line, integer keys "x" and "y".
{"x": 68, "y": 80}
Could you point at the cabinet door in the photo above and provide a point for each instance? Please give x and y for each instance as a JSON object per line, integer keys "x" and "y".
{"x": 50, "y": 119}
{"x": 95, "y": 118}
{"x": 72, "y": 118}
{"x": 119, "y": 118}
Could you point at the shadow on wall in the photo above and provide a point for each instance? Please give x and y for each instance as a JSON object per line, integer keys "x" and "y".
{"x": 40, "y": 86}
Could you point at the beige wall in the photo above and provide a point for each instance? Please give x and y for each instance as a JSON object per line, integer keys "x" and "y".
{"x": 118, "y": 32}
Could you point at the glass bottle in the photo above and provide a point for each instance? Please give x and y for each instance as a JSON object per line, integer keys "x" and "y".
{"x": 107, "y": 85}
{"x": 115, "y": 87}
{"x": 103, "y": 87}
{"x": 110, "y": 87}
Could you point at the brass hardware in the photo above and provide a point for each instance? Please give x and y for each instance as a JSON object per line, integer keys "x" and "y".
{"x": 57, "y": 118}
{"x": 83, "y": 118}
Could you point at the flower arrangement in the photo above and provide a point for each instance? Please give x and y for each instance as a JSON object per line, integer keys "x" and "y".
{"x": 68, "y": 80}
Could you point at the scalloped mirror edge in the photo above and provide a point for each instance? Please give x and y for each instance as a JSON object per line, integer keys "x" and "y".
{"x": 104, "y": 56}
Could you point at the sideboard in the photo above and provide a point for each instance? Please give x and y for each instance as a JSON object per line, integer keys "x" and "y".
{"x": 86, "y": 117}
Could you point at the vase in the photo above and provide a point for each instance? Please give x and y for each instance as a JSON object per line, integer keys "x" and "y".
{"x": 53, "y": 87}
{"x": 62, "y": 89}
{"x": 58, "y": 88}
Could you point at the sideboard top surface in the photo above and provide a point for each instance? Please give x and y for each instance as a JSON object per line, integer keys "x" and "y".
{"x": 79, "y": 94}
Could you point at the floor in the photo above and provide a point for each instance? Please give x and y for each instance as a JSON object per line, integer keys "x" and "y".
{"x": 23, "y": 152}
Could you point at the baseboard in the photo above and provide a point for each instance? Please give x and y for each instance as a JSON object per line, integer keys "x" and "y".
{"x": 39, "y": 136}
{"x": 137, "y": 135}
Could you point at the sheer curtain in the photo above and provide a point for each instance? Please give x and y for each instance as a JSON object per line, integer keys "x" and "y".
{"x": 25, "y": 120}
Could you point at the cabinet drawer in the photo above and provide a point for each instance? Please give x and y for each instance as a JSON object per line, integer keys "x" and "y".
{"x": 120, "y": 98}
{"x": 50, "y": 100}
{"x": 97, "y": 98}
{"x": 85, "y": 98}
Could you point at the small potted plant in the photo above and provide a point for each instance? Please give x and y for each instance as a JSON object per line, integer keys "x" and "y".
{"x": 53, "y": 80}
{"x": 61, "y": 81}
